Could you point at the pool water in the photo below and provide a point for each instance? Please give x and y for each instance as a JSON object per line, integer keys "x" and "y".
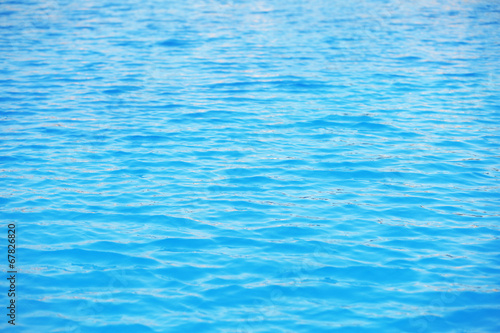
{"x": 251, "y": 166}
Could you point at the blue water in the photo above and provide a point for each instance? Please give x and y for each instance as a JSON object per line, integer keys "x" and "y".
{"x": 251, "y": 166}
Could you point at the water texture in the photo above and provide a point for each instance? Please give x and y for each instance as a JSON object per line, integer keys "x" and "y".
{"x": 251, "y": 166}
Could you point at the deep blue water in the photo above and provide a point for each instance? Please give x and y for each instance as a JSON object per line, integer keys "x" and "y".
{"x": 251, "y": 166}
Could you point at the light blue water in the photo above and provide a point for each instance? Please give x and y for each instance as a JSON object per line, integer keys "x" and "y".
{"x": 251, "y": 166}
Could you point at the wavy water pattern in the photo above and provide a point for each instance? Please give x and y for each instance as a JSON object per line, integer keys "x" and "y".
{"x": 252, "y": 166}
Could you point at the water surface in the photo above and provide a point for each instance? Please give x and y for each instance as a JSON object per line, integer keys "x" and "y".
{"x": 252, "y": 166}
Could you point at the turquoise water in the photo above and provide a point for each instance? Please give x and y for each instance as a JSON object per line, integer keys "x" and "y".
{"x": 251, "y": 166}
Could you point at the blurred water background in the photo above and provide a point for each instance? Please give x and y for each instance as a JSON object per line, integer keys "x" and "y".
{"x": 252, "y": 166}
